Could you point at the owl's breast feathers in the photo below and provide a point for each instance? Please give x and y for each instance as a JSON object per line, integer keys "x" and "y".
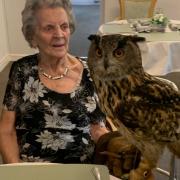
{"x": 148, "y": 106}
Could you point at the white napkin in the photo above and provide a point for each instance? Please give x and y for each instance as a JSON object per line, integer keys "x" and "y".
{"x": 144, "y": 22}
{"x": 114, "y": 178}
{"x": 174, "y": 27}
{"x": 141, "y": 28}
{"x": 141, "y": 25}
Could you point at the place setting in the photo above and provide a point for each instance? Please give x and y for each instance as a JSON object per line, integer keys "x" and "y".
{"x": 157, "y": 23}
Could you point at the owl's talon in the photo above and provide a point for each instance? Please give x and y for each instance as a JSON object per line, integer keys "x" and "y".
{"x": 146, "y": 173}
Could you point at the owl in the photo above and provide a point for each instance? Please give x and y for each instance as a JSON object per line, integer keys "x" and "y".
{"x": 144, "y": 108}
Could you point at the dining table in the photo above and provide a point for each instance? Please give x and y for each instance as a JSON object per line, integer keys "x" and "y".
{"x": 161, "y": 50}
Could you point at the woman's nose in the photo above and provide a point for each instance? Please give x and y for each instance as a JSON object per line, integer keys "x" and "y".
{"x": 58, "y": 31}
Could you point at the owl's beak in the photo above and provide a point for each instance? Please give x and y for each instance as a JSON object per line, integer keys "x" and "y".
{"x": 106, "y": 63}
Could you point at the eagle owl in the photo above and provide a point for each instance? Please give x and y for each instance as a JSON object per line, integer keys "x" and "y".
{"x": 145, "y": 109}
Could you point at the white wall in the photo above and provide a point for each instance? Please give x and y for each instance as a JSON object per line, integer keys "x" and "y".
{"x": 4, "y": 40}
{"x": 170, "y": 8}
{"x": 17, "y": 44}
{"x": 12, "y": 43}
{"x": 111, "y": 9}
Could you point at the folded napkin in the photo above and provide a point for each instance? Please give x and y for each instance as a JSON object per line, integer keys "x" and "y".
{"x": 148, "y": 27}
{"x": 141, "y": 25}
{"x": 144, "y": 22}
{"x": 174, "y": 27}
{"x": 141, "y": 28}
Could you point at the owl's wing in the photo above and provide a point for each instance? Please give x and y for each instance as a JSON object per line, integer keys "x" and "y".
{"x": 152, "y": 109}
{"x": 166, "y": 81}
{"x": 157, "y": 89}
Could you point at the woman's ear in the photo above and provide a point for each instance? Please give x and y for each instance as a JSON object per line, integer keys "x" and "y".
{"x": 34, "y": 43}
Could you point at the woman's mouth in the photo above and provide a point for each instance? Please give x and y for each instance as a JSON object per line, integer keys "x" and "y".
{"x": 58, "y": 45}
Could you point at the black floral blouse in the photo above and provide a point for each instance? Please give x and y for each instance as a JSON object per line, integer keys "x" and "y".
{"x": 51, "y": 126}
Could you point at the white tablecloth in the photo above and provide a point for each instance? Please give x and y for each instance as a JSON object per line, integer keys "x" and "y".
{"x": 161, "y": 52}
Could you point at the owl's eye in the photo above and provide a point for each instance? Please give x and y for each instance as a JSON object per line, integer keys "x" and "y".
{"x": 119, "y": 52}
{"x": 98, "y": 52}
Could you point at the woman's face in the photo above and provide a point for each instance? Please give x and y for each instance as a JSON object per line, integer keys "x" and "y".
{"x": 52, "y": 32}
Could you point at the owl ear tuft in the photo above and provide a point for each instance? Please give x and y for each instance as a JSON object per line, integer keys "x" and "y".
{"x": 94, "y": 37}
{"x": 138, "y": 39}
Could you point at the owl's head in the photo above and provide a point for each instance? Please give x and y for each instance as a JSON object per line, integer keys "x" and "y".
{"x": 114, "y": 55}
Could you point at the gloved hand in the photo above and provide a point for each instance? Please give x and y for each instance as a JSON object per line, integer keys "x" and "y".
{"x": 113, "y": 150}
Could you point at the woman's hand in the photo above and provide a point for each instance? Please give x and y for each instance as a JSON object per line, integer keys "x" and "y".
{"x": 96, "y": 131}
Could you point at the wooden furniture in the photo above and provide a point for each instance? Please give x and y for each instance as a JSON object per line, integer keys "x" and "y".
{"x": 132, "y": 9}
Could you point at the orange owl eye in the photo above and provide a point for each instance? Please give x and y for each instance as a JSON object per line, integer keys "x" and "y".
{"x": 119, "y": 52}
{"x": 98, "y": 52}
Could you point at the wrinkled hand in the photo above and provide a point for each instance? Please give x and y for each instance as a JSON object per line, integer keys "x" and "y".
{"x": 96, "y": 131}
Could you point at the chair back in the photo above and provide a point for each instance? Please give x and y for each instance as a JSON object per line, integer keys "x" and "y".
{"x": 132, "y": 9}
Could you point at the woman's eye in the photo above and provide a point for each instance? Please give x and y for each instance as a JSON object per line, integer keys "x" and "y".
{"x": 98, "y": 52}
{"x": 48, "y": 28}
{"x": 119, "y": 52}
{"x": 64, "y": 27}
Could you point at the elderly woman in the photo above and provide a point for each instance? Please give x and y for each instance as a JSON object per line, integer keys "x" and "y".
{"x": 49, "y": 104}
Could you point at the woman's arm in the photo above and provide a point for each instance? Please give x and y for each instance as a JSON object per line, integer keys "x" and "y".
{"x": 8, "y": 139}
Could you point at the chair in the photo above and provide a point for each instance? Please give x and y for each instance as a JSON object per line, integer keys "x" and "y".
{"x": 132, "y": 9}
